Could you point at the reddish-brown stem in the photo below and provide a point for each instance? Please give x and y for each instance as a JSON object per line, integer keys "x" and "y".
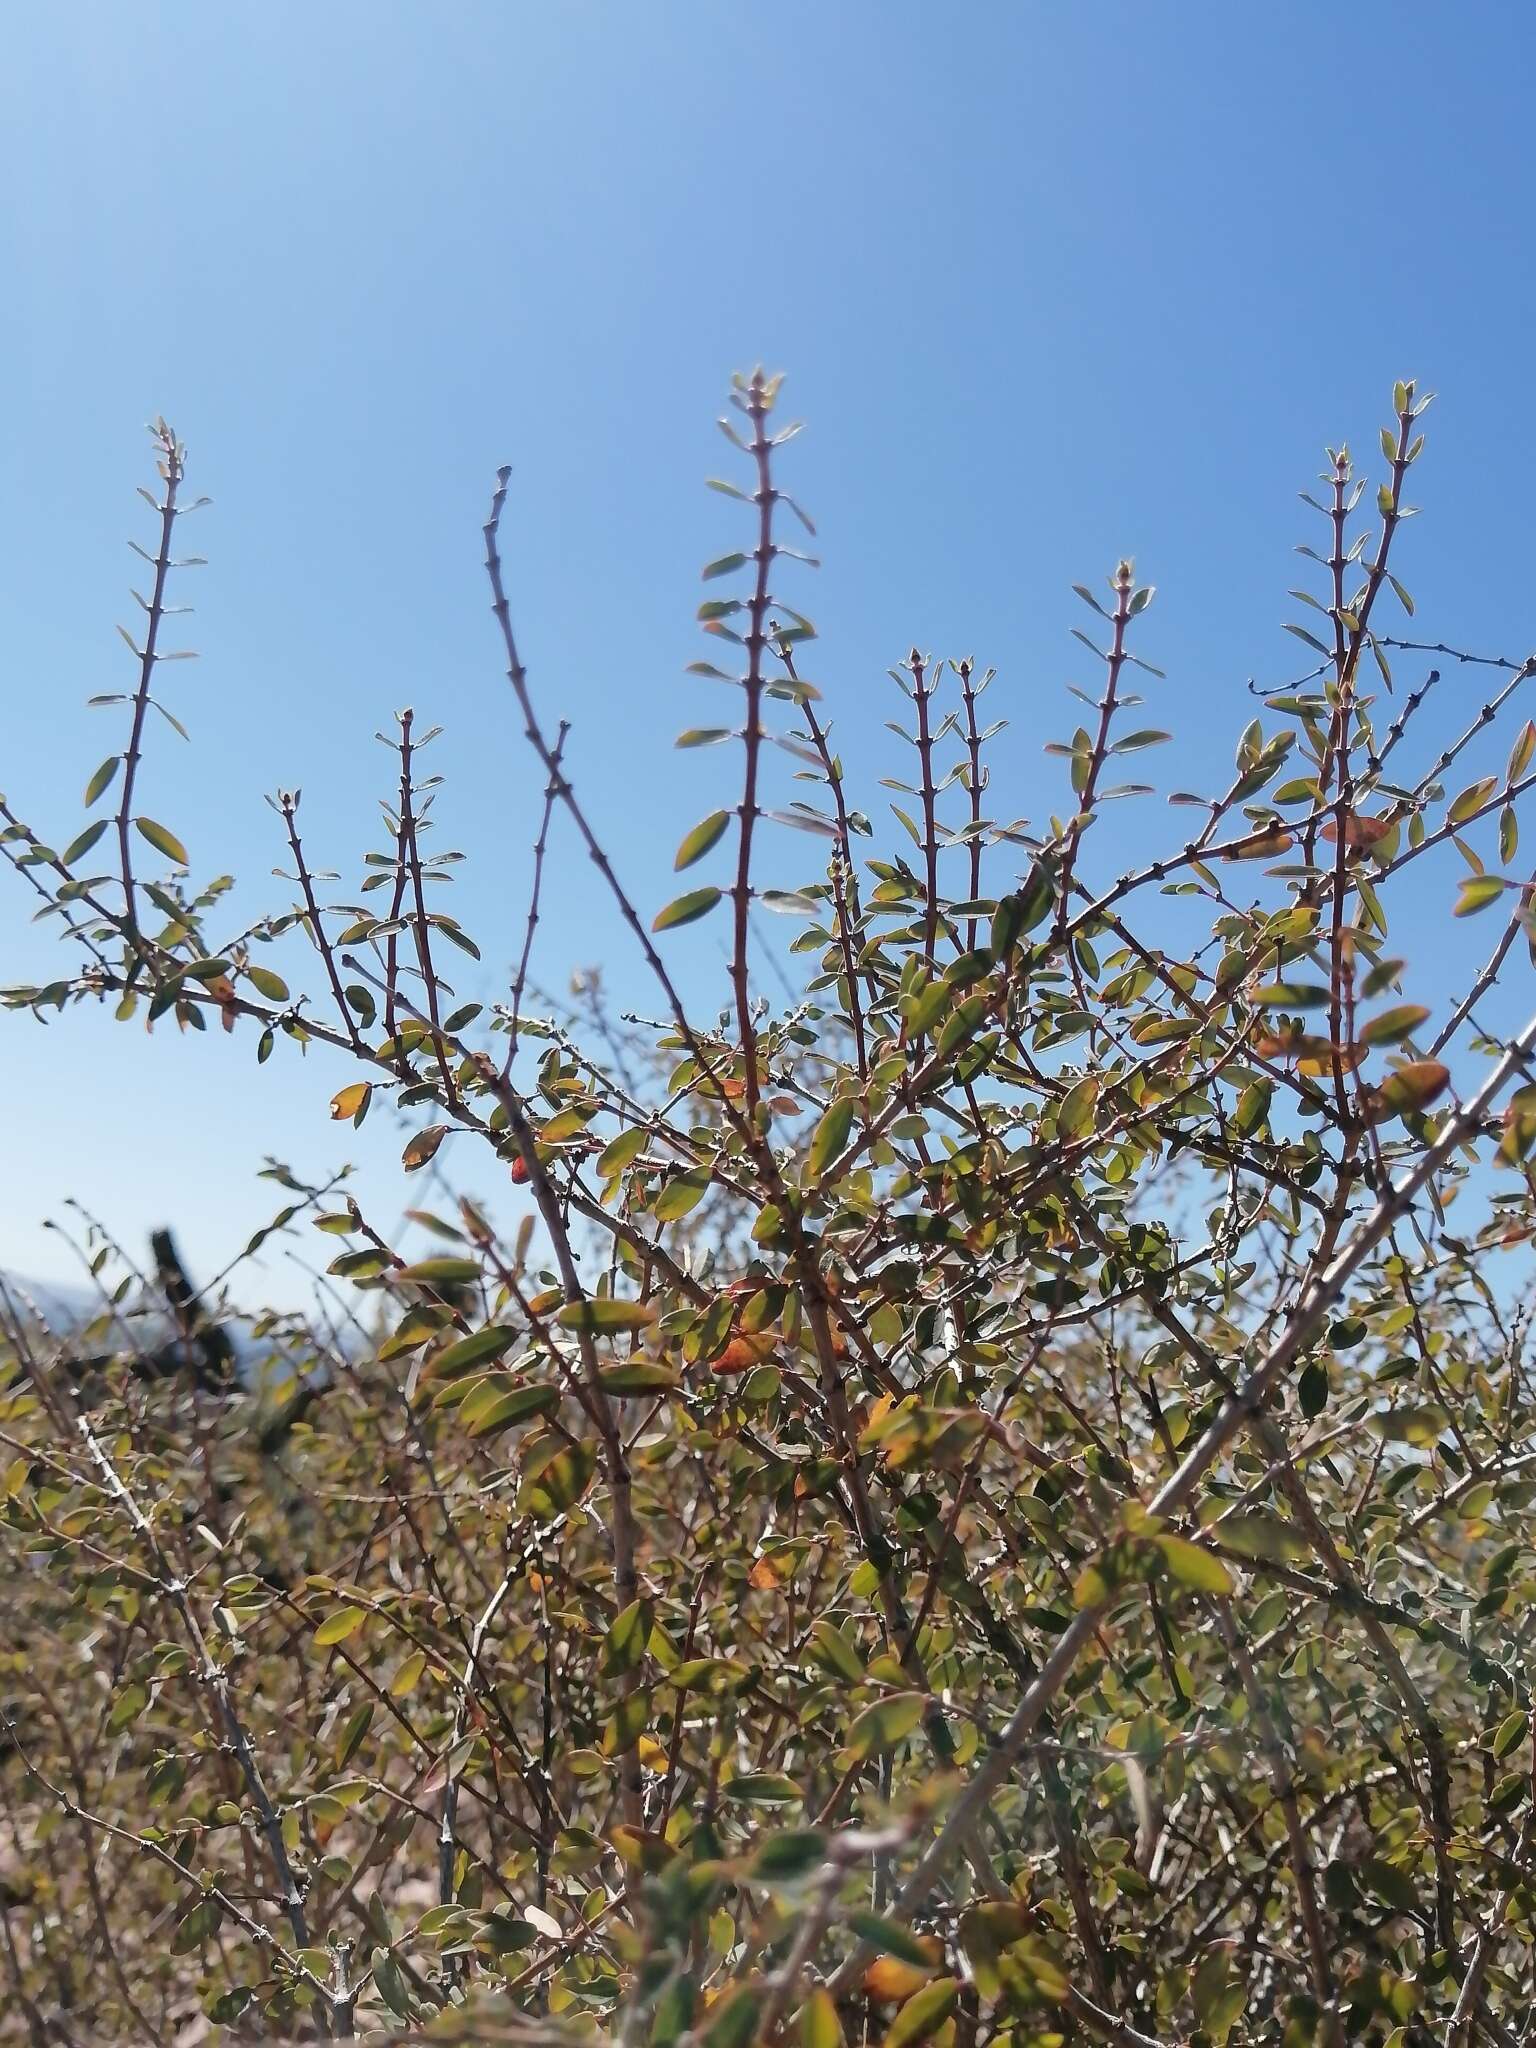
{"x": 845, "y": 886}
{"x": 757, "y": 405}
{"x": 535, "y": 893}
{"x": 171, "y": 466}
{"x": 1114, "y": 664}
{"x": 288, "y": 804}
{"x": 976, "y": 782}
{"x": 410, "y": 848}
{"x": 922, "y": 693}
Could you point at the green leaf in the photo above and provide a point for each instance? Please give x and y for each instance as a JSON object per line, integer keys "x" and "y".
{"x": 762, "y": 1788}
{"x": 79, "y": 847}
{"x": 923, "y": 1008}
{"x": 675, "y": 2008}
{"x": 831, "y": 1135}
{"x": 1217, "y": 1993}
{"x": 1252, "y": 1107}
{"x": 642, "y": 1376}
{"x": 102, "y": 779}
{"x": 127, "y": 1707}
{"x": 733, "y": 2021}
{"x": 200, "y": 1925}
{"x": 723, "y": 565}
{"x": 1040, "y": 1963}
{"x": 1188, "y": 1565}
{"x": 889, "y": 1721}
{"x": 163, "y": 841}
{"x": 353, "y": 1729}
{"x": 924, "y": 2013}
{"x": 268, "y": 984}
{"x": 408, "y": 1674}
{"x": 1074, "y": 1115}
{"x": 1420, "y": 1424}
{"x": 707, "y": 833}
{"x": 1477, "y": 892}
{"x": 820, "y": 2026}
{"x": 455, "y": 937}
{"x": 337, "y": 1627}
{"x": 559, "y": 1484}
{"x": 684, "y": 909}
{"x": 472, "y": 1351}
{"x": 890, "y": 1938}
{"x": 1407, "y": 1090}
{"x": 1470, "y": 800}
{"x": 1291, "y": 995}
{"x": 1311, "y": 639}
{"x": 443, "y": 1272}
{"x": 833, "y": 1651}
{"x": 1312, "y": 1388}
{"x": 1509, "y": 1732}
{"x": 603, "y": 1315}
{"x": 389, "y": 1982}
{"x": 1021, "y": 912}
{"x": 624, "y": 1645}
{"x": 1393, "y": 1886}
{"x": 790, "y": 1857}
{"x": 622, "y": 1152}
{"x": 1255, "y": 1533}
{"x": 505, "y": 1404}
{"x": 1393, "y": 1026}
{"x": 682, "y": 1194}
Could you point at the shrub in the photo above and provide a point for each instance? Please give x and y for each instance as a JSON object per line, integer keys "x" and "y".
{"x": 990, "y": 1503}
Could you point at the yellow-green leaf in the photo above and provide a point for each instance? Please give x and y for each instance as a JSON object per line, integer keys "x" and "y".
{"x": 885, "y": 1723}
{"x": 602, "y": 1315}
{"x": 831, "y": 1134}
{"x": 624, "y": 1149}
{"x": 444, "y": 1272}
{"x": 684, "y": 909}
{"x": 820, "y": 2026}
{"x": 107, "y": 771}
{"x": 78, "y": 848}
{"x": 1188, "y": 1565}
{"x": 408, "y": 1674}
{"x": 560, "y": 1483}
{"x": 162, "y": 841}
{"x": 1392, "y": 1026}
{"x": 924, "y": 2013}
{"x": 268, "y": 984}
{"x": 337, "y": 1627}
{"x": 472, "y": 1351}
{"x": 705, "y": 834}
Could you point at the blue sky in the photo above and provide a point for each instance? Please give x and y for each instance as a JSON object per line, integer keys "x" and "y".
{"x": 1050, "y": 283}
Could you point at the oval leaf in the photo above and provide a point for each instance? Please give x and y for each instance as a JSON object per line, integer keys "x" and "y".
{"x": 163, "y": 841}
{"x": 685, "y": 909}
{"x": 705, "y": 834}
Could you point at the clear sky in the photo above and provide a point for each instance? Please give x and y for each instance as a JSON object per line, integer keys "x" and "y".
{"x": 1050, "y": 283}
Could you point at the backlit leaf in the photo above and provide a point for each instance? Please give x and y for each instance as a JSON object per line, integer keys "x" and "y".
{"x": 162, "y": 841}
{"x": 685, "y": 909}
{"x": 707, "y": 833}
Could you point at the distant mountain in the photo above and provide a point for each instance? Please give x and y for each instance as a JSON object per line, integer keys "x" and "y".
{"x": 66, "y": 1306}
{"x": 62, "y": 1304}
